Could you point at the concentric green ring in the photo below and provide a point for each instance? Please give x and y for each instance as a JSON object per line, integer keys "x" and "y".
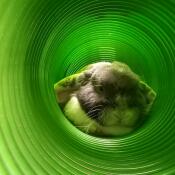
{"x": 44, "y": 41}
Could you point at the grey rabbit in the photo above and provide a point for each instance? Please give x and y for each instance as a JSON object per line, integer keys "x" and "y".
{"x": 105, "y": 99}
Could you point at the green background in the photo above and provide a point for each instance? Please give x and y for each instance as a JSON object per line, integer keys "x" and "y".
{"x": 43, "y": 41}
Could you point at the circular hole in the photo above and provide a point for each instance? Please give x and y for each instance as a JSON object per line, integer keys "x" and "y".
{"x": 99, "y": 112}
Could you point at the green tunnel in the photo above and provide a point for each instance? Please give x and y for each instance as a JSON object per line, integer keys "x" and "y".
{"x": 43, "y": 41}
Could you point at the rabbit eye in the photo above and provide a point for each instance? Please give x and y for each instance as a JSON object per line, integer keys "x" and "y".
{"x": 101, "y": 88}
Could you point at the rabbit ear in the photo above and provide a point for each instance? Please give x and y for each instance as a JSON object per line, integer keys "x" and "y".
{"x": 149, "y": 94}
{"x": 65, "y": 87}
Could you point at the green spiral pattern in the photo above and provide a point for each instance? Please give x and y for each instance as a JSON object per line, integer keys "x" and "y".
{"x": 43, "y": 41}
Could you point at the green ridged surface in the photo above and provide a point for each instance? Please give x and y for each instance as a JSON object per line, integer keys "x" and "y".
{"x": 43, "y": 41}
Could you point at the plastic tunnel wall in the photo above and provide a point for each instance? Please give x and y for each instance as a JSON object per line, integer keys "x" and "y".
{"x": 43, "y": 41}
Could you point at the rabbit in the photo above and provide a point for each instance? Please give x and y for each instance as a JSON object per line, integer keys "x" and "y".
{"x": 105, "y": 99}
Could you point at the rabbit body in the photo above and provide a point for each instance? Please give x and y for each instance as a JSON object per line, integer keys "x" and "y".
{"x": 105, "y": 98}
